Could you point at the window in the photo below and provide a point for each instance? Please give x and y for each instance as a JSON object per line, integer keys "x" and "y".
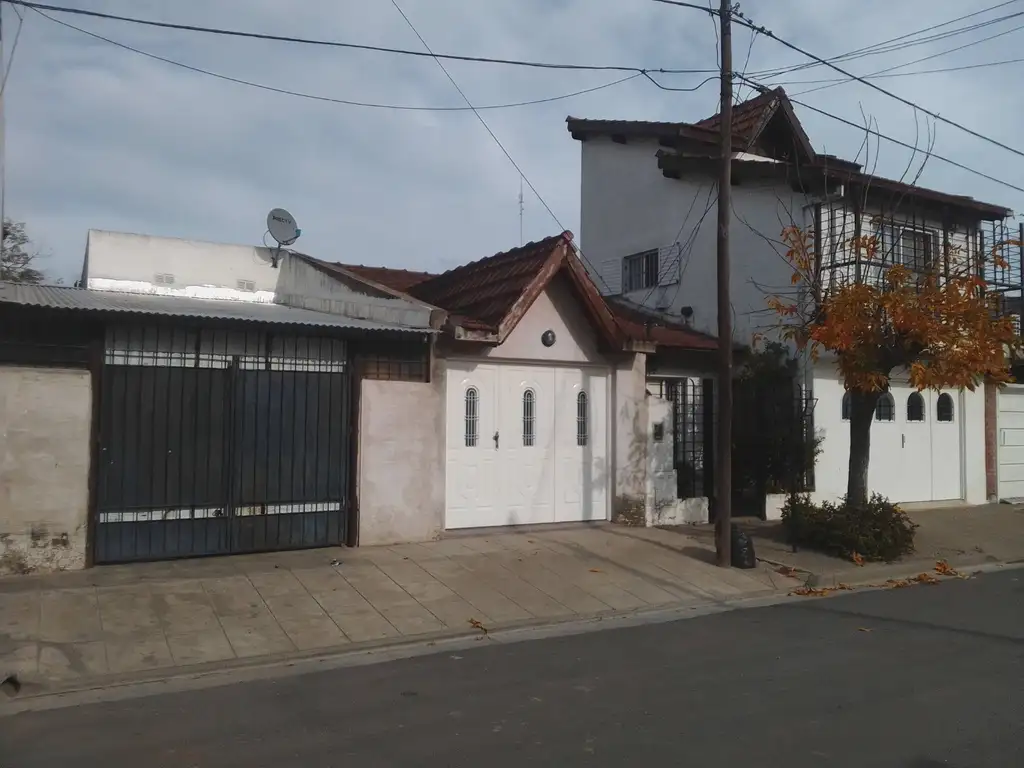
{"x": 472, "y": 417}
{"x": 915, "y": 249}
{"x": 529, "y": 418}
{"x": 944, "y": 408}
{"x": 163, "y": 278}
{"x": 846, "y": 406}
{"x": 885, "y": 409}
{"x": 582, "y": 419}
{"x": 246, "y": 285}
{"x": 640, "y": 270}
{"x": 915, "y": 407}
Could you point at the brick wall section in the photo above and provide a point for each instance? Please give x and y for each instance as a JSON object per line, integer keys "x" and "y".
{"x": 991, "y": 417}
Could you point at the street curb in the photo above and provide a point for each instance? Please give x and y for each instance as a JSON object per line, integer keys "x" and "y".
{"x": 896, "y": 571}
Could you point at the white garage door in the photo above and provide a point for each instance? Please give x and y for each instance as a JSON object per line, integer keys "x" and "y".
{"x": 916, "y": 447}
{"x": 1011, "y": 443}
{"x": 525, "y": 445}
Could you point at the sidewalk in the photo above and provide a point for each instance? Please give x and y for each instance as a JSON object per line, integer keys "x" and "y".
{"x": 961, "y": 536}
{"x": 71, "y": 629}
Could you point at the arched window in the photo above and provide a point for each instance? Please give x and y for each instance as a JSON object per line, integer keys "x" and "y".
{"x": 885, "y": 409}
{"x": 529, "y": 418}
{"x": 582, "y": 419}
{"x": 846, "y": 406}
{"x": 472, "y": 417}
{"x": 944, "y": 408}
{"x": 915, "y": 407}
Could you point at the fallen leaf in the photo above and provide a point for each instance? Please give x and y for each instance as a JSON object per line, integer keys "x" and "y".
{"x": 477, "y": 625}
{"x": 925, "y": 578}
{"x": 596, "y": 570}
{"x": 787, "y": 570}
{"x": 945, "y": 569}
{"x": 864, "y": 629}
{"x": 857, "y": 559}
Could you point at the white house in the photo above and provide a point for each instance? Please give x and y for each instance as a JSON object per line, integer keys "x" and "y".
{"x": 648, "y": 221}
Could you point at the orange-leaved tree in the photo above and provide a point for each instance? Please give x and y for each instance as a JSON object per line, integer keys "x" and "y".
{"x": 938, "y": 324}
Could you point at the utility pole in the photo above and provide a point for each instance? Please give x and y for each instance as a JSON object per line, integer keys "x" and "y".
{"x": 723, "y": 459}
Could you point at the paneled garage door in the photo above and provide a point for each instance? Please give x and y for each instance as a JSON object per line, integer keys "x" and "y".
{"x": 1011, "y": 443}
{"x": 525, "y": 445}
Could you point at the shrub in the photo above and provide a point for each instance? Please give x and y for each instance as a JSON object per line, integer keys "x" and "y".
{"x": 878, "y": 530}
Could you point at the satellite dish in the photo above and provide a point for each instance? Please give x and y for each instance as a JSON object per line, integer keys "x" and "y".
{"x": 282, "y": 227}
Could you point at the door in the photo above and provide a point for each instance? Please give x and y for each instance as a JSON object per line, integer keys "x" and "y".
{"x": 525, "y": 445}
{"x": 912, "y": 468}
{"x": 947, "y": 456}
{"x": 1010, "y": 441}
{"x": 472, "y": 488}
{"x": 581, "y": 440}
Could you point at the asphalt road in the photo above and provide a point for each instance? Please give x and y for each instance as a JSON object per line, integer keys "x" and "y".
{"x": 918, "y": 678}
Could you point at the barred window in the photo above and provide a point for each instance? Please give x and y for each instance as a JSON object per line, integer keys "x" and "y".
{"x": 529, "y": 418}
{"x": 885, "y": 410}
{"x": 472, "y": 417}
{"x": 582, "y": 419}
{"x": 944, "y": 408}
{"x": 846, "y": 406}
{"x": 915, "y": 407}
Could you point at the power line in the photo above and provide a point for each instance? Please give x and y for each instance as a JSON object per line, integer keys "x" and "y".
{"x": 886, "y": 46}
{"x": 934, "y": 115}
{"x": 922, "y": 59}
{"x": 329, "y": 99}
{"x": 764, "y": 88}
{"x": 493, "y": 136}
{"x": 938, "y": 70}
{"x": 350, "y": 46}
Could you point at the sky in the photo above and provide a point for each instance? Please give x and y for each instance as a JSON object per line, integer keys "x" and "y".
{"x": 99, "y": 137}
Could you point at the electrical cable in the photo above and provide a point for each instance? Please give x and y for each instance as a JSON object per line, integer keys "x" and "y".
{"x": 764, "y": 88}
{"x": 934, "y": 115}
{"x": 329, "y": 99}
{"x": 961, "y": 68}
{"x": 497, "y": 141}
{"x": 350, "y": 46}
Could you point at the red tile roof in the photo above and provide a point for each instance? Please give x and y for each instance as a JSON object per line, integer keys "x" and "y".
{"x": 748, "y": 117}
{"x": 396, "y": 279}
{"x": 491, "y": 295}
{"x": 485, "y": 291}
{"x": 644, "y": 325}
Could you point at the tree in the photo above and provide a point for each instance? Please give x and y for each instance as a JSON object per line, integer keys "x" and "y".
{"x": 937, "y": 322}
{"x": 17, "y": 255}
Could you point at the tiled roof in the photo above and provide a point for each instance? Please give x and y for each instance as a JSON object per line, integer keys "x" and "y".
{"x": 486, "y": 290}
{"x": 748, "y": 117}
{"x": 644, "y": 325}
{"x": 83, "y": 299}
{"x": 396, "y": 279}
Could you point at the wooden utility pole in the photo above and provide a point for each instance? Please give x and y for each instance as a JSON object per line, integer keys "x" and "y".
{"x": 723, "y": 459}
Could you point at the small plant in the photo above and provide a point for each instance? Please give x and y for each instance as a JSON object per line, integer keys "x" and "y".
{"x": 876, "y": 531}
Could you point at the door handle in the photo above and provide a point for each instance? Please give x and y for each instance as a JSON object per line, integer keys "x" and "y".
{"x": 904, "y": 440}
{"x": 495, "y": 441}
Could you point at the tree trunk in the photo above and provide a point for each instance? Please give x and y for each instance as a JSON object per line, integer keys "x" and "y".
{"x": 862, "y": 413}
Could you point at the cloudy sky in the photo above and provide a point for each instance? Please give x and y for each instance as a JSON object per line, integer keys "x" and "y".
{"x": 100, "y": 137}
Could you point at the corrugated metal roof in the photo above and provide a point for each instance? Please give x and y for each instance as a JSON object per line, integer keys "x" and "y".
{"x": 84, "y": 300}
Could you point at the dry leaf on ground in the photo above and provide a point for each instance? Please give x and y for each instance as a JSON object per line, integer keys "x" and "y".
{"x": 596, "y": 570}
{"x": 787, "y": 570}
{"x": 925, "y": 578}
{"x": 945, "y": 569}
{"x": 819, "y": 591}
{"x": 864, "y": 629}
{"x": 477, "y": 625}
{"x": 857, "y": 558}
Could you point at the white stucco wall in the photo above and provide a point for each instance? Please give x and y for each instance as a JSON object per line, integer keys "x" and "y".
{"x": 627, "y": 206}
{"x": 45, "y": 423}
{"x": 630, "y": 432}
{"x": 122, "y": 261}
{"x": 401, "y": 461}
{"x": 556, "y": 309}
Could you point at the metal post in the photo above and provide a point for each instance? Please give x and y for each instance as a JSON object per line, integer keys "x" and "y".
{"x": 723, "y": 463}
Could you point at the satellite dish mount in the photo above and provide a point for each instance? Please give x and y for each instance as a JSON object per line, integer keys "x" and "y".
{"x": 282, "y": 227}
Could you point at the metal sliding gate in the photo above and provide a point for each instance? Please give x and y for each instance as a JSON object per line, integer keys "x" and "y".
{"x": 218, "y": 442}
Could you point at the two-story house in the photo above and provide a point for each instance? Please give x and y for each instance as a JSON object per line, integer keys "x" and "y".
{"x": 648, "y": 228}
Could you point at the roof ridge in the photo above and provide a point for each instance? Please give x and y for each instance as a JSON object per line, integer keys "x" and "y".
{"x": 469, "y": 266}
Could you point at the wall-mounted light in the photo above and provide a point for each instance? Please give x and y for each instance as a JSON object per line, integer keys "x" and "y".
{"x": 547, "y": 338}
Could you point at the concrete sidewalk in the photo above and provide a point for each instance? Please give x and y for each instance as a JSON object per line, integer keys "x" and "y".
{"x": 69, "y": 629}
{"x": 964, "y": 537}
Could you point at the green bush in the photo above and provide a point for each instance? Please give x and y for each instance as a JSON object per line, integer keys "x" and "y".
{"x": 877, "y": 531}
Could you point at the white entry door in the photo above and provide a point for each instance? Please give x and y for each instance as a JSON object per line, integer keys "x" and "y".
{"x": 916, "y": 451}
{"x": 1010, "y": 441}
{"x": 525, "y": 445}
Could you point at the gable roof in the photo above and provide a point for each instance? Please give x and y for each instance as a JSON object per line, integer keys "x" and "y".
{"x": 487, "y": 298}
